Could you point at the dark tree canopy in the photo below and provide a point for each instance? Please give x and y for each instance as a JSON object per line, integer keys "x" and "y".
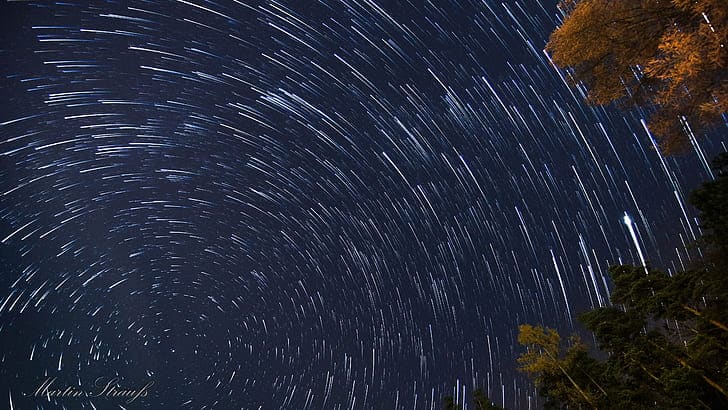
{"x": 669, "y": 55}
{"x": 666, "y": 335}
{"x": 480, "y": 402}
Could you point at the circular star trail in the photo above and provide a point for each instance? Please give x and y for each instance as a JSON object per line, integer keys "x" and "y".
{"x": 308, "y": 205}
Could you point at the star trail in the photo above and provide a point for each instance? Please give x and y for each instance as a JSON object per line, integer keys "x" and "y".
{"x": 309, "y": 205}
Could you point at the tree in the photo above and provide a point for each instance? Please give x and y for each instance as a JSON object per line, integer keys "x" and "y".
{"x": 561, "y": 375}
{"x": 668, "y": 55}
{"x": 711, "y": 199}
{"x": 449, "y": 404}
{"x": 480, "y": 402}
{"x": 666, "y": 336}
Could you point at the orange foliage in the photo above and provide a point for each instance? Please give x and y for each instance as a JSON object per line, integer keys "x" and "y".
{"x": 670, "y": 55}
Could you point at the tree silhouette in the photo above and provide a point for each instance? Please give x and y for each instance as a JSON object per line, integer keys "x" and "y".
{"x": 666, "y": 335}
{"x": 480, "y": 402}
{"x": 448, "y": 403}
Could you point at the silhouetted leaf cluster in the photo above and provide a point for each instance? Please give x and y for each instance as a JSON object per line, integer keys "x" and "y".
{"x": 480, "y": 402}
{"x": 666, "y": 336}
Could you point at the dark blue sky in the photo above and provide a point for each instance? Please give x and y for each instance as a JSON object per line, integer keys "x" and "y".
{"x": 307, "y": 205}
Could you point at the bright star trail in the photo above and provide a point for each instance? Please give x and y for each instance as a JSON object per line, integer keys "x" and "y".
{"x": 308, "y": 205}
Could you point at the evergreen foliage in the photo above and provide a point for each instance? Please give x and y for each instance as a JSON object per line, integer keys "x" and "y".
{"x": 666, "y": 336}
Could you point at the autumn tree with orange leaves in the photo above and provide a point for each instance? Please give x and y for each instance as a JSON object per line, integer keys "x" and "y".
{"x": 671, "y": 56}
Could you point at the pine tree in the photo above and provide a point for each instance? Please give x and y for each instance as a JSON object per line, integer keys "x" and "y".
{"x": 666, "y": 335}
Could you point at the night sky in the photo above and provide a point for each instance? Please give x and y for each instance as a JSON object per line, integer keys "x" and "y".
{"x": 308, "y": 205}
